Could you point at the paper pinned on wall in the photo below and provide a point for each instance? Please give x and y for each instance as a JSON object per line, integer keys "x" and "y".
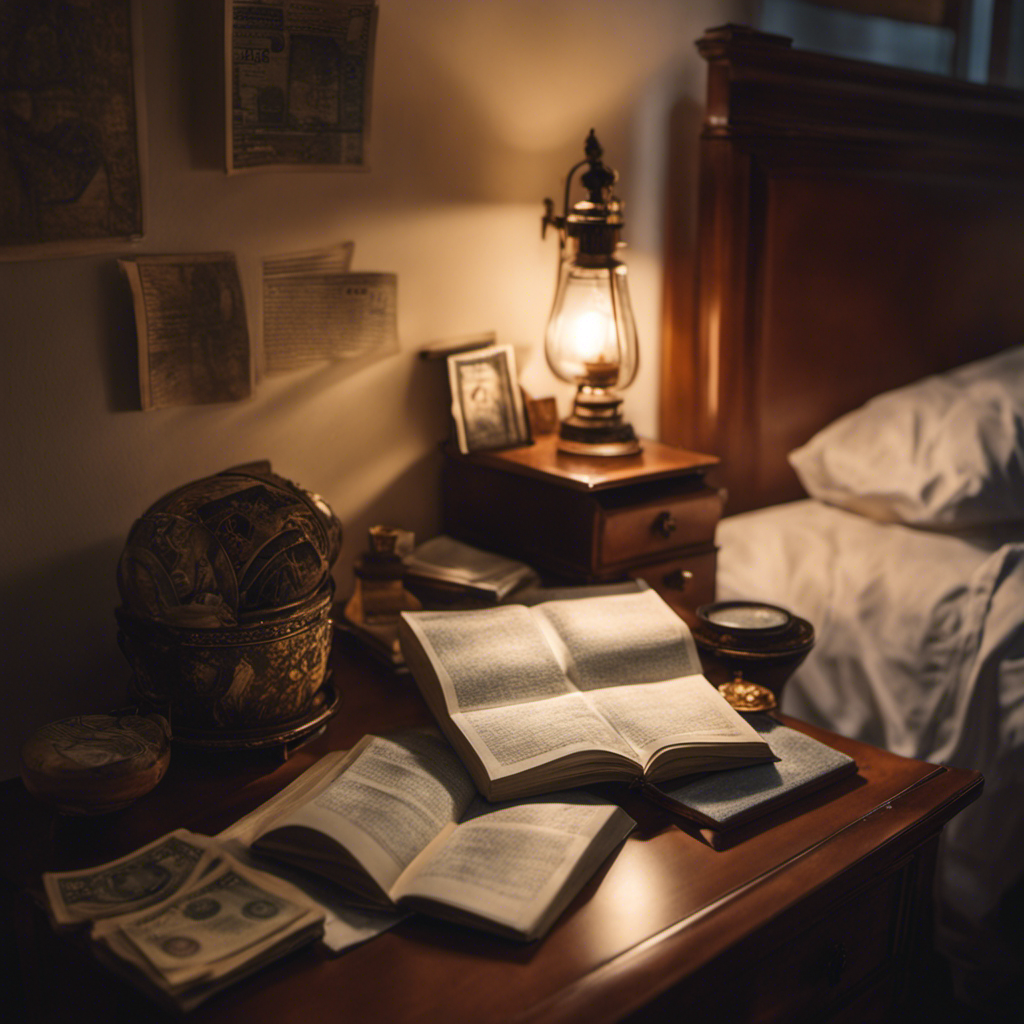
{"x": 298, "y": 79}
{"x": 72, "y": 137}
{"x": 315, "y": 310}
{"x": 193, "y": 336}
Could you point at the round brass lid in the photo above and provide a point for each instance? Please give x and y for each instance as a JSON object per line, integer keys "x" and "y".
{"x": 744, "y": 696}
{"x": 744, "y": 617}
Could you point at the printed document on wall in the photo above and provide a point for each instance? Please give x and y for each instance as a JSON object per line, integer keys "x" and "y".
{"x": 314, "y": 309}
{"x": 193, "y": 334}
{"x": 298, "y": 78}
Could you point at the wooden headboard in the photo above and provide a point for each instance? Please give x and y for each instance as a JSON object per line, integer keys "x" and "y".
{"x": 859, "y": 227}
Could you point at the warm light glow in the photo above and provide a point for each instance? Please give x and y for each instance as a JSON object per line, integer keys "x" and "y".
{"x": 584, "y": 329}
{"x": 592, "y": 330}
{"x": 573, "y": 62}
{"x": 714, "y": 342}
{"x": 643, "y": 893}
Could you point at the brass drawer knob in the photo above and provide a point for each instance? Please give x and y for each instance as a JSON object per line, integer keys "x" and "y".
{"x": 677, "y": 579}
{"x": 664, "y": 524}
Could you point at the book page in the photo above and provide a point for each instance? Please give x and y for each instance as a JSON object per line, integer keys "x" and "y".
{"x": 600, "y": 684}
{"x": 491, "y": 657}
{"x": 512, "y": 739}
{"x": 620, "y": 639}
{"x": 387, "y": 806}
{"x": 653, "y": 716}
{"x": 650, "y": 690}
{"x": 507, "y": 691}
{"x": 516, "y": 863}
{"x": 256, "y": 822}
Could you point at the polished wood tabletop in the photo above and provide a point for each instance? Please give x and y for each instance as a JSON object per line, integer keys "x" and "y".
{"x": 542, "y": 460}
{"x": 663, "y": 909}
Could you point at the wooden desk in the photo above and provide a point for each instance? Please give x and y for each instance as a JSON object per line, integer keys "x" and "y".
{"x": 823, "y": 912}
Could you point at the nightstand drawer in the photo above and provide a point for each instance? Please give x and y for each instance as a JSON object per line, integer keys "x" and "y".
{"x": 636, "y": 533}
{"x": 686, "y": 581}
{"x": 825, "y": 964}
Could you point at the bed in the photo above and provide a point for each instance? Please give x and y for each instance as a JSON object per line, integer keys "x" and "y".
{"x": 846, "y": 335}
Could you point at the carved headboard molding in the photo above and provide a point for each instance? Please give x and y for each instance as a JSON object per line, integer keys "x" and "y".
{"x": 859, "y": 226}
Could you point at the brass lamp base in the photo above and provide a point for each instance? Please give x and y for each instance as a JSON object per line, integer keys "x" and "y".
{"x": 591, "y": 442}
{"x": 596, "y": 426}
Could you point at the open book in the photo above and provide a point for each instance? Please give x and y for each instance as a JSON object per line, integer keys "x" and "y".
{"x": 398, "y": 823}
{"x": 567, "y": 692}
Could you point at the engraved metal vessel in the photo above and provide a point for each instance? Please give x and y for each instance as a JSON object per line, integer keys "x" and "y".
{"x": 226, "y": 608}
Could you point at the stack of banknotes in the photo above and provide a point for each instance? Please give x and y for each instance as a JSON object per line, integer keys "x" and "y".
{"x": 182, "y": 918}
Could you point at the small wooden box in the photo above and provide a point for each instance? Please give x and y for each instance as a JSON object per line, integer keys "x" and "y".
{"x": 588, "y": 519}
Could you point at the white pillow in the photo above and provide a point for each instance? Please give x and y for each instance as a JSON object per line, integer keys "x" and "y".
{"x": 947, "y": 451}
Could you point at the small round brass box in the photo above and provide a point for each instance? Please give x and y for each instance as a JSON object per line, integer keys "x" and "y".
{"x": 94, "y": 764}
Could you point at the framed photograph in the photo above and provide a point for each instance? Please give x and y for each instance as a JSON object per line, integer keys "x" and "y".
{"x": 487, "y": 405}
{"x": 542, "y": 414}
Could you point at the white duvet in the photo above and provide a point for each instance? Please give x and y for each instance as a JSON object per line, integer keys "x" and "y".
{"x": 919, "y": 649}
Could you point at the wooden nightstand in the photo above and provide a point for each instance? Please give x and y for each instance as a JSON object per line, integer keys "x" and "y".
{"x": 589, "y": 520}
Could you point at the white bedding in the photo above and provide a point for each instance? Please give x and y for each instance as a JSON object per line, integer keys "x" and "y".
{"x": 919, "y": 649}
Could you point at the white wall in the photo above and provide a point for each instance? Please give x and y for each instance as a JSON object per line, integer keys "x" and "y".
{"x": 479, "y": 109}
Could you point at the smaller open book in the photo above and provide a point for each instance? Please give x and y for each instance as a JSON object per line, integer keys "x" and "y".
{"x": 568, "y": 692}
{"x": 397, "y": 822}
{"x": 723, "y": 801}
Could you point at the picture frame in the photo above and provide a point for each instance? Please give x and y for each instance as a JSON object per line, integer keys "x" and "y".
{"x": 487, "y": 403}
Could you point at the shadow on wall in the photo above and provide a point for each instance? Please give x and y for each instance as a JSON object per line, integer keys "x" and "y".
{"x": 390, "y": 507}
{"x": 200, "y": 39}
{"x": 46, "y": 681}
{"x": 118, "y": 328}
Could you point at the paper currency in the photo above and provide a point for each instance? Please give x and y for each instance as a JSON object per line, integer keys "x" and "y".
{"x": 131, "y": 883}
{"x": 223, "y": 926}
{"x": 219, "y": 917}
{"x": 345, "y": 923}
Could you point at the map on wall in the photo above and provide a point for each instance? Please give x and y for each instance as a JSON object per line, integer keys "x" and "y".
{"x": 70, "y": 126}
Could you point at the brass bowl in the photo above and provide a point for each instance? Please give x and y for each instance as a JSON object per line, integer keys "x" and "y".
{"x": 767, "y": 656}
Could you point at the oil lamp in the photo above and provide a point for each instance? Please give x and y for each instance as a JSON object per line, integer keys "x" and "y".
{"x": 591, "y": 334}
